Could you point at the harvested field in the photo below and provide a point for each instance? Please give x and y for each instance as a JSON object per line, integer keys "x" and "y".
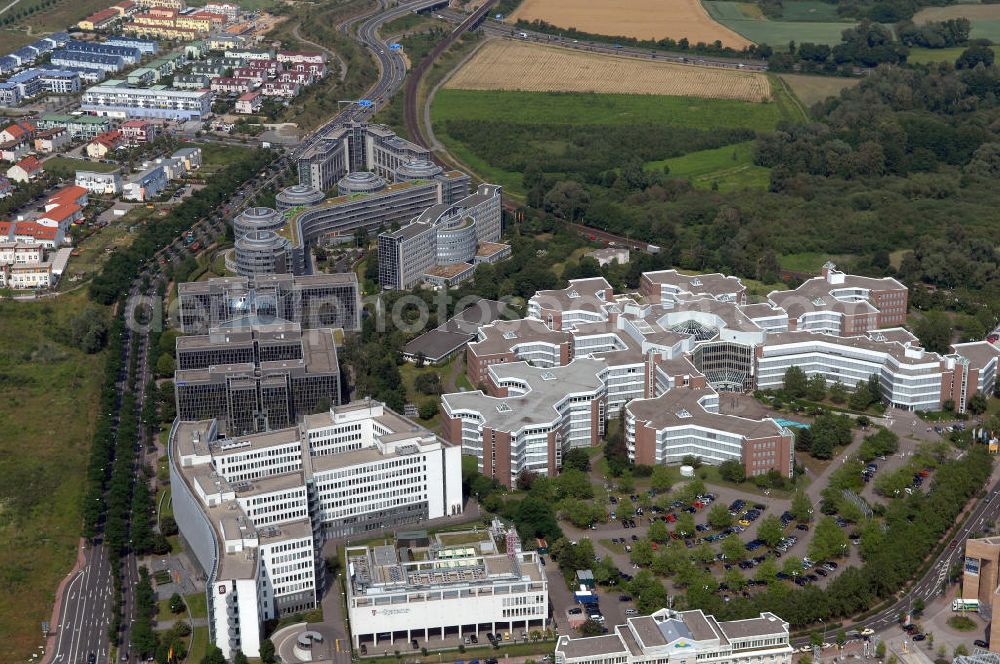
{"x": 513, "y": 65}
{"x": 813, "y": 89}
{"x": 642, "y": 19}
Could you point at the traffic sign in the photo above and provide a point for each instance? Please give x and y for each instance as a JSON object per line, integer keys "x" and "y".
{"x": 395, "y": 47}
{"x": 365, "y": 103}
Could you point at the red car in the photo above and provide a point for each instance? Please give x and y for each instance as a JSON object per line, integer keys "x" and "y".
{"x": 671, "y": 518}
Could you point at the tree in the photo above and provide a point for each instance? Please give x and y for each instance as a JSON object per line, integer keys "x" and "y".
{"x": 213, "y": 656}
{"x": 176, "y": 603}
{"x": 770, "y": 531}
{"x": 567, "y": 200}
{"x": 576, "y": 458}
{"x": 240, "y": 658}
{"x": 165, "y": 365}
{"x": 428, "y": 383}
{"x": 642, "y": 552}
{"x": 89, "y": 330}
{"x": 801, "y": 508}
{"x": 732, "y": 471}
{"x": 816, "y": 388}
{"x": 934, "y": 331}
{"x": 733, "y": 549}
{"x": 978, "y": 53}
{"x": 795, "y": 382}
{"x": 734, "y": 579}
{"x": 803, "y": 439}
{"x": 978, "y": 403}
{"x": 880, "y": 650}
{"x": 829, "y": 540}
{"x": 719, "y": 516}
{"x": 658, "y": 531}
{"x": 685, "y": 526}
{"x": 792, "y": 566}
{"x": 428, "y": 409}
{"x": 661, "y": 480}
{"x": 838, "y": 393}
{"x": 766, "y": 572}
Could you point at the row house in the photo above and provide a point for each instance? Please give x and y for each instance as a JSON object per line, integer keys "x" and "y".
{"x": 288, "y": 90}
{"x": 52, "y": 140}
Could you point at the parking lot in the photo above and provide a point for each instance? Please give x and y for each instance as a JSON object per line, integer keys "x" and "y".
{"x": 630, "y": 515}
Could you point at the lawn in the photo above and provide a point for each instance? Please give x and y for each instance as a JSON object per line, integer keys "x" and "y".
{"x": 66, "y": 167}
{"x": 729, "y": 168}
{"x": 199, "y": 644}
{"x": 458, "y": 539}
{"x": 602, "y": 109}
{"x": 215, "y": 157}
{"x": 809, "y": 23}
{"x": 197, "y": 605}
{"x": 923, "y": 56}
{"x": 813, "y": 89}
{"x": 49, "y": 392}
{"x": 58, "y": 17}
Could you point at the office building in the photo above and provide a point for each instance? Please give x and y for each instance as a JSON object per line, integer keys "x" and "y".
{"x": 256, "y": 510}
{"x": 256, "y": 379}
{"x": 313, "y": 301}
{"x": 443, "y": 235}
{"x": 843, "y": 304}
{"x": 449, "y": 592}
{"x": 686, "y": 421}
{"x": 528, "y": 417}
{"x": 79, "y": 126}
{"x": 682, "y": 637}
{"x": 119, "y": 101}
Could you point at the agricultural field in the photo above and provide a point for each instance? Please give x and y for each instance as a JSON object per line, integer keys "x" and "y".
{"x": 801, "y": 24}
{"x": 813, "y": 89}
{"x": 641, "y": 19}
{"x": 513, "y": 65}
{"x": 729, "y": 168}
{"x": 924, "y": 56}
{"x": 985, "y": 18}
{"x": 49, "y": 388}
{"x": 603, "y": 109}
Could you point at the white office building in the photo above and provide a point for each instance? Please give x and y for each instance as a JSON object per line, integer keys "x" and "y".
{"x": 256, "y": 509}
{"x": 683, "y": 637}
{"x": 457, "y": 591}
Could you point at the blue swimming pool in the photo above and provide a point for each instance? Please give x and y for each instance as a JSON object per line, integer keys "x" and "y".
{"x": 791, "y": 423}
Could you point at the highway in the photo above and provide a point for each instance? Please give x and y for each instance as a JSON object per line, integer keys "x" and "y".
{"x": 86, "y": 601}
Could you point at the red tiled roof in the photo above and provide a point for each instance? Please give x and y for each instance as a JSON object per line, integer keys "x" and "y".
{"x": 62, "y": 212}
{"x": 68, "y": 194}
{"x": 36, "y": 230}
{"x": 29, "y": 164}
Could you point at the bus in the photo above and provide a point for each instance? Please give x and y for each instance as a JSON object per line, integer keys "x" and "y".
{"x": 965, "y": 605}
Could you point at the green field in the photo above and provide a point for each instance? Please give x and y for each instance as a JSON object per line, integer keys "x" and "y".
{"x": 49, "y": 392}
{"x": 812, "y": 89}
{"x": 805, "y": 24}
{"x": 808, "y": 261}
{"x": 985, "y": 18}
{"x": 66, "y": 167}
{"x": 921, "y": 56}
{"x": 730, "y": 168}
{"x": 602, "y": 109}
{"x": 216, "y": 156}
{"x": 811, "y": 11}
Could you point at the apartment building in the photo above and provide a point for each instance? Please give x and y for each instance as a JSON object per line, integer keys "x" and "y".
{"x": 682, "y": 637}
{"x": 24, "y": 266}
{"x": 255, "y": 510}
{"x": 528, "y": 417}
{"x": 159, "y": 101}
{"x": 146, "y": 185}
{"x": 136, "y": 132}
{"x": 255, "y": 379}
{"x": 313, "y": 301}
{"x": 34, "y": 82}
{"x": 144, "y": 46}
{"x": 78, "y": 126}
{"x": 686, "y": 421}
{"x": 249, "y": 103}
{"x": 104, "y": 19}
{"x": 443, "y": 235}
{"x": 102, "y": 184}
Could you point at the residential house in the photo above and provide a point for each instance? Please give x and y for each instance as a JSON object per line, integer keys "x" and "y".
{"x": 139, "y": 131}
{"x": 20, "y": 130}
{"x": 6, "y": 188}
{"x": 51, "y": 140}
{"x": 102, "y": 145}
{"x": 287, "y": 90}
{"x": 25, "y": 170}
{"x": 190, "y": 156}
{"x": 249, "y": 102}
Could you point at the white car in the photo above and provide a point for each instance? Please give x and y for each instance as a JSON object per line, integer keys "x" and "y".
{"x": 806, "y": 649}
{"x": 868, "y": 631}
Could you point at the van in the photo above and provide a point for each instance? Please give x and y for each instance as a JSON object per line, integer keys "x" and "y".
{"x": 631, "y": 612}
